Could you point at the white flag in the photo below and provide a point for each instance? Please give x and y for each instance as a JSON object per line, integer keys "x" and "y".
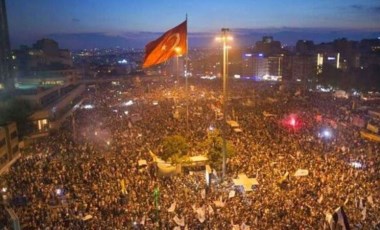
{"x": 201, "y": 214}
{"x": 178, "y": 221}
{"x": 329, "y": 219}
{"x": 172, "y": 207}
{"x": 231, "y": 194}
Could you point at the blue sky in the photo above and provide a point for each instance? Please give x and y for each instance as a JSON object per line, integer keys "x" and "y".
{"x": 33, "y": 19}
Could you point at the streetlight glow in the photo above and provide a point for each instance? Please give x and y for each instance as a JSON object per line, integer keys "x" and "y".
{"x": 327, "y": 133}
{"x": 178, "y": 50}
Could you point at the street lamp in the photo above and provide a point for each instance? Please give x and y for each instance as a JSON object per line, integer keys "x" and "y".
{"x": 178, "y": 52}
{"x": 224, "y": 38}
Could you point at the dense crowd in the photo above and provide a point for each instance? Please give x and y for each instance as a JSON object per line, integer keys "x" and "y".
{"x": 73, "y": 178}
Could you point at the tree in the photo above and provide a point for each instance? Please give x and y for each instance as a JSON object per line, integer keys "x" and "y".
{"x": 174, "y": 148}
{"x": 213, "y": 145}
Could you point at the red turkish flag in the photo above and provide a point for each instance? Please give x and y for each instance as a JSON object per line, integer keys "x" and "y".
{"x": 165, "y": 47}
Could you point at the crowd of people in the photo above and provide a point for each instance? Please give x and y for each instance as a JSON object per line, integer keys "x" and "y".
{"x": 86, "y": 175}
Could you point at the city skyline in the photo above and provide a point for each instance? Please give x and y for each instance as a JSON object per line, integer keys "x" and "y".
{"x": 89, "y": 24}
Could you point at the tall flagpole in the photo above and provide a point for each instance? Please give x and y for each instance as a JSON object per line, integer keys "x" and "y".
{"x": 186, "y": 80}
{"x": 224, "y": 38}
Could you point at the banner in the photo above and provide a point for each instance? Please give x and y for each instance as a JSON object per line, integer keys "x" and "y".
{"x": 373, "y": 128}
{"x": 370, "y": 136}
{"x": 302, "y": 172}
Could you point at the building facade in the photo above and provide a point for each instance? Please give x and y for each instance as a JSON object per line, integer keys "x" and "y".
{"x": 261, "y": 67}
{"x": 9, "y": 143}
{"x": 5, "y": 76}
{"x": 304, "y": 67}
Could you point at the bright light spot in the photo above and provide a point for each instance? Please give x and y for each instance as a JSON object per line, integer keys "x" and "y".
{"x": 88, "y": 106}
{"x": 248, "y": 55}
{"x": 96, "y": 133}
{"x": 115, "y": 110}
{"x": 355, "y": 93}
{"x": 122, "y": 61}
{"x": 58, "y": 191}
{"x": 155, "y": 102}
{"x": 126, "y": 112}
{"x": 211, "y": 128}
{"x": 326, "y": 133}
{"x": 237, "y": 76}
{"x": 178, "y": 50}
{"x": 267, "y": 77}
{"x": 356, "y": 165}
{"x": 292, "y": 121}
{"x": 261, "y": 55}
{"x": 4, "y": 189}
{"x": 208, "y": 77}
{"x": 298, "y": 80}
{"x": 128, "y": 103}
{"x": 108, "y": 142}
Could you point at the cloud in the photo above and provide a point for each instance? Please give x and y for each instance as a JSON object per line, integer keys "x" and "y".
{"x": 375, "y": 9}
{"x": 363, "y": 8}
{"x": 357, "y": 7}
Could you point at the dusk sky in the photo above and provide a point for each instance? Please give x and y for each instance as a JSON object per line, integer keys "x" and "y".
{"x": 84, "y": 23}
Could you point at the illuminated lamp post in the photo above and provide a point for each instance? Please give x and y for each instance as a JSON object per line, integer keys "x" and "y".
{"x": 178, "y": 52}
{"x": 225, "y": 37}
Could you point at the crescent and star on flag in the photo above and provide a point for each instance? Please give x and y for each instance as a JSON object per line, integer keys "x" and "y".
{"x": 166, "y": 46}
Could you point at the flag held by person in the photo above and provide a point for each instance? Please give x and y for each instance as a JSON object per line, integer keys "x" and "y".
{"x": 173, "y": 42}
{"x": 341, "y": 218}
{"x": 172, "y": 207}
